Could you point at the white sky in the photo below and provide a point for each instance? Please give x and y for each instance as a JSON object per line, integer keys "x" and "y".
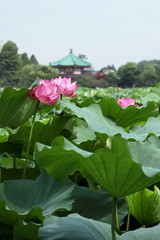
{"x": 106, "y": 31}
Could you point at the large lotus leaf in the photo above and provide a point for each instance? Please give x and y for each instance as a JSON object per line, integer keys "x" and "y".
{"x": 74, "y": 227}
{"x": 95, "y": 205}
{"x": 77, "y": 227}
{"x": 148, "y": 155}
{"x": 95, "y": 119}
{"x": 84, "y": 134}
{"x": 111, "y": 167}
{"x": 145, "y": 206}
{"x": 26, "y": 231}
{"x": 98, "y": 123}
{"x": 43, "y": 132}
{"x": 128, "y": 116}
{"x": 114, "y": 169}
{"x": 60, "y": 160}
{"x": 86, "y": 102}
{"x": 143, "y": 234}
{"x": 155, "y": 141}
{"x": 140, "y": 132}
{"x": 153, "y": 95}
{"x": 9, "y": 217}
{"x": 122, "y": 212}
{"x": 22, "y": 197}
{"x": 3, "y": 135}
{"x": 16, "y": 107}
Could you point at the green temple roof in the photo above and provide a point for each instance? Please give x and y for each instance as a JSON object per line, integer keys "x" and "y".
{"x": 70, "y": 60}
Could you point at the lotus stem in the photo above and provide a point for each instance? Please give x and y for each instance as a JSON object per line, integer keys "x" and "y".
{"x": 29, "y": 142}
{"x": 114, "y": 221}
{"x": 117, "y": 220}
{"x": 128, "y": 220}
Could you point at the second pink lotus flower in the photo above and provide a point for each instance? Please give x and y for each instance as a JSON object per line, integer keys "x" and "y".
{"x": 125, "y": 102}
{"x": 67, "y": 88}
{"x": 49, "y": 91}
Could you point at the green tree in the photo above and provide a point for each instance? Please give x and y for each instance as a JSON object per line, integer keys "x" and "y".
{"x": 24, "y": 58}
{"x": 142, "y": 64}
{"x": 31, "y": 72}
{"x": 112, "y": 78}
{"x": 33, "y": 60}
{"x": 10, "y": 64}
{"x": 110, "y": 67}
{"x": 149, "y": 77}
{"x": 128, "y": 74}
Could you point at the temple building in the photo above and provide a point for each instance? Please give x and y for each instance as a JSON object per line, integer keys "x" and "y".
{"x": 102, "y": 74}
{"x": 71, "y": 65}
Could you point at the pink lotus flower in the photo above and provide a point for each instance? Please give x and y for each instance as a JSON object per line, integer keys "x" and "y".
{"x": 49, "y": 91}
{"x": 67, "y": 88}
{"x": 46, "y": 92}
{"x": 125, "y": 102}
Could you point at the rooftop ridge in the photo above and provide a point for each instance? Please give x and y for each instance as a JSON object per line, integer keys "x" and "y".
{"x": 70, "y": 60}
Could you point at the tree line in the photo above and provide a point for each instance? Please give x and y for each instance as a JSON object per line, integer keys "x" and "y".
{"x": 142, "y": 74}
{"x": 18, "y": 70}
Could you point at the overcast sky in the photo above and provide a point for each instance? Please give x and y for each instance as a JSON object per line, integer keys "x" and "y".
{"x": 106, "y": 31}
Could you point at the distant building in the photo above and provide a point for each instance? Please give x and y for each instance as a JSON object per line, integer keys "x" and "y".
{"x": 102, "y": 74}
{"x": 71, "y": 65}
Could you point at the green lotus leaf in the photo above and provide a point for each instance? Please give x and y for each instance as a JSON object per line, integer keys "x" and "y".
{"x": 152, "y": 95}
{"x": 123, "y": 116}
{"x": 16, "y": 107}
{"x": 26, "y": 231}
{"x": 145, "y": 206}
{"x": 59, "y": 162}
{"x": 24, "y": 199}
{"x": 74, "y": 227}
{"x": 44, "y": 132}
{"x": 128, "y": 116}
{"x": 94, "y": 117}
{"x": 143, "y": 234}
{"x": 154, "y": 141}
{"x": 112, "y": 167}
{"x": 9, "y": 217}
{"x": 147, "y": 154}
{"x": 95, "y": 205}
{"x": 86, "y": 102}
{"x": 97, "y": 122}
{"x": 140, "y": 132}
{"x": 84, "y": 134}
{"x": 3, "y": 135}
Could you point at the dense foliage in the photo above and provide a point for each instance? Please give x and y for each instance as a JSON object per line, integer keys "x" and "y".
{"x": 18, "y": 70}
{"x": 21, "y": 71}
{"x": 9, "y": 64}
{"x": 92, "y": 170}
